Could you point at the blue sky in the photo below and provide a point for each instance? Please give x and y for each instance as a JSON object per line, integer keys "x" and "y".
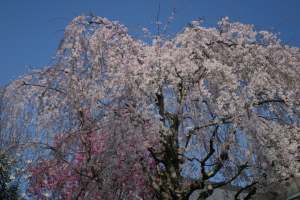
{"x": 31, "y": 29}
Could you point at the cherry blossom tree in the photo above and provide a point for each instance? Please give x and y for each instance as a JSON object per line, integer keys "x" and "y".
{"x": 196, "y": 111}
{"x": 13, "y": 150}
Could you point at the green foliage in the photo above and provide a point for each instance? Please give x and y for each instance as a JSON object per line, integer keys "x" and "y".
{"x": 8, "y": 184}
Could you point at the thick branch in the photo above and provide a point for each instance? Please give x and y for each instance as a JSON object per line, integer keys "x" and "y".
{"x": 251, "y": 192}
{"x": 211, "y": 187}
{"x": 157, "y": 185}
{"x": 234, "y": 176}
{"x": 223, "y": 156}
{"x": 270, "y": 101}
{"x": 210, "y": 153}
{"x": 160, "y": 105}
{"x": 154, "y": 155}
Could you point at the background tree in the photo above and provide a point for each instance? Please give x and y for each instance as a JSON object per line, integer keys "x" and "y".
{"x": 210, "y": 106}
{"x": 89, "y": 164}
{"x": 8, "y": 186}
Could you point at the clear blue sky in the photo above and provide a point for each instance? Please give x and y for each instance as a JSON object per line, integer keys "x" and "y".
{"x": 31, "y": 29}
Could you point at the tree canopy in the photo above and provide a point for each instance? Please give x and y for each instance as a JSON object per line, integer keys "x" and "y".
{"x": 120, "y": 118}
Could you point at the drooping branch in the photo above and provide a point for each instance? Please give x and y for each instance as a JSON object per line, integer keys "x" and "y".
{"x": 44, "y": 86}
